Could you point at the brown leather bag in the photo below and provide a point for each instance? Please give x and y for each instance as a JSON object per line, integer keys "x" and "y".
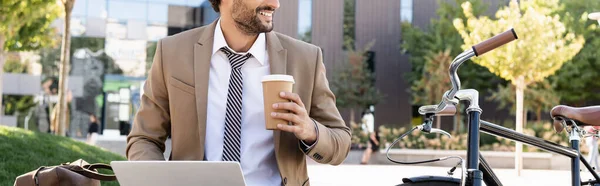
{"x": 78, "y": 172}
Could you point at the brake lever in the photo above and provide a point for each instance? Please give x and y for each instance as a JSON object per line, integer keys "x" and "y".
{"x": 434, "y": 130}
{"x": 427, "y": 126}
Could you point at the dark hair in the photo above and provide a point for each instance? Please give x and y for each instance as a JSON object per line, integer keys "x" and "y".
{"x": 215, "y": 4}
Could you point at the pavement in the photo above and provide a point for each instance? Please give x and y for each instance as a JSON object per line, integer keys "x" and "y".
{"x": 361, "y": 175}
{"x": 350, "y": 173}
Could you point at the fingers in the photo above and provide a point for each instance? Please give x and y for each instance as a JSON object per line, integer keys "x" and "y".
{"x": 291, "y": 106}
{"x": 292, "y": 96}
{"x": 290, "y": 128}
{"x": 286, "y": 116}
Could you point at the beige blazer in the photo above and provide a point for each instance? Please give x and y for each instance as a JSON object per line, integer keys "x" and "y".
{"x": 175, "y": 98}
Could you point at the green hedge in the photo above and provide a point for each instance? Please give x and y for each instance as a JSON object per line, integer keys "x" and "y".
{"x": 420, "y": 140}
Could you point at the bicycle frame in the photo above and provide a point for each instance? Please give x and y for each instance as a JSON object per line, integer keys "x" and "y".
{"x": 478, "y": 170}
{"x": 475, "y": 162}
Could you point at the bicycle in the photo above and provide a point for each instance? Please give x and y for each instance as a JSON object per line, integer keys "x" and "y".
{"x": 475, "y": 169}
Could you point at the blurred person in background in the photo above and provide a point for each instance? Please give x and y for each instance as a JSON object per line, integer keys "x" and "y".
{"x": 93, "y": 130}
{"x": 368, "y": 121}
{"x": 592, "y": 144}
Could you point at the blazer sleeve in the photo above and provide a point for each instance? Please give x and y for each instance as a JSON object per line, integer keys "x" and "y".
{"x": 151, "y": 124}
{"x": 334, "y": 137}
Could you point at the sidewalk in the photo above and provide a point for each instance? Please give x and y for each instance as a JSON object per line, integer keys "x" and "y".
{"x": 361, "y": 175}
{"x": 350, "y": 173}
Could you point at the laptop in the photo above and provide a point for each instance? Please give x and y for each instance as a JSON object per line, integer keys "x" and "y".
{"x": 201, "y": 173}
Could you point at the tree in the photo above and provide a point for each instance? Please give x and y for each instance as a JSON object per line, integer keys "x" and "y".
{"x": 538, "y": 97}
{"x": 25, "y": 25}
{"x": 440, "y": 36}
{"x": 49, "y": 59}
{"x": 354, "y": 84}
{"x": 349, "y": 24}
{"x": 306, "y": 36}
{"x": 434, "y": 81}
{"x": 61, "y": 120}
{"x": 577, "y": 81}
{"x": 150, "y": 51}
{"x": 544, "y": 45}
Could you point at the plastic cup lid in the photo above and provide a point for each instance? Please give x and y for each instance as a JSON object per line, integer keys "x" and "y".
{"x": 278, "y": 77}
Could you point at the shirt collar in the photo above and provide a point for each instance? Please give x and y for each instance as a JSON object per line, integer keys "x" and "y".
{"x": 258, "y": 49}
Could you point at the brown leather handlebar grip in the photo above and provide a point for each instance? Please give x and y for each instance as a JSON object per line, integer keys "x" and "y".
{"x": 450, "y": 110}
{"x": 495, "y": 42}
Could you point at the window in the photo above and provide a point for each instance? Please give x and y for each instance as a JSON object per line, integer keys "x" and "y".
{"x": 96, "y": 8}
{"x": 77, "y": 26}
{"x": 155, "y": 33}
{"x": 79, "y": 8}
{"x": 95, "y": 27}
{"x": 136, "y": 30}
{"x": 171, "y": 2}
{"x": 116, "y": 30}
{"x": 305, "y": 20}
{"x": 158, "y": 13}
{"x": 195, "y": 3}
{"x": 123, "y": 11}
{"x": 406, "y": 10}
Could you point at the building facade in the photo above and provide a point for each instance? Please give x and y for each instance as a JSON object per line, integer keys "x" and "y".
{"x": 130, "y": 27}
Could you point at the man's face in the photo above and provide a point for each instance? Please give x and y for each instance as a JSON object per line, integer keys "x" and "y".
{"x": 254, "y": 16}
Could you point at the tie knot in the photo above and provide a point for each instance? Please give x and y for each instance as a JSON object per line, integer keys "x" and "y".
{"x": 236, "y": 60}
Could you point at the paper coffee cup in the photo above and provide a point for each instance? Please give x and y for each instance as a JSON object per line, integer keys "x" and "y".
{"x": 272, "y": 86}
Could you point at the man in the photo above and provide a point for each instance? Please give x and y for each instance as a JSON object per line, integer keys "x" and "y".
{"x": 191, "y": 91}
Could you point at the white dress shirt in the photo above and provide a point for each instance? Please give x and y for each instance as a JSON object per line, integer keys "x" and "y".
{"x": 257, "y": 153}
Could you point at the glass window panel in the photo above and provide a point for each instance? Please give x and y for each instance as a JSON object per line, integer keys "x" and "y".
{"x": 195, "y": 3}
{"x": 77, "y": 26}
{"x": 116, "y": 30}
{"x": 136, "y": 30}
{"x": 96, "y": 8}
{"x": 80, "y": 8}
{"x": 158, "y": 13}
{"x": 95, "y": 27}
{"x": 170, "y": 2}
{"x": 208, "y": 14}
{"x": 406, "y": 10}
{"x": 156, "y": 32}
{"x": 121, "y": 10}
{"x": 305, "y": 20}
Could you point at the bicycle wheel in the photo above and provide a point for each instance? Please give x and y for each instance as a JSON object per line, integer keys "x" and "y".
{"x": 430, "y": 183}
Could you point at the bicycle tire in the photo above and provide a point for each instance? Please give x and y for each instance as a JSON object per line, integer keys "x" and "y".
{"x": 430, "y": 183}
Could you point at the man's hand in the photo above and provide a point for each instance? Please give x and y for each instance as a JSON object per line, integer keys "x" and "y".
{"x": 303, "y": 127}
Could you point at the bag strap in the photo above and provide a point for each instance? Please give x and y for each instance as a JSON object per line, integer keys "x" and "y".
{"x": 35, "y": 176}
{"x": 97, "y": 166}
{"x": 87, "y": 171}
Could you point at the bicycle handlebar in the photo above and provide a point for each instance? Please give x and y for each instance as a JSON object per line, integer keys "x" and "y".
{"x": 495, "y": 42}
{"x": 477, "y": 50}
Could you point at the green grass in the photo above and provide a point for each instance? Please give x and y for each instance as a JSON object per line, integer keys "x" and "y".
{"x": 22, "y": 151}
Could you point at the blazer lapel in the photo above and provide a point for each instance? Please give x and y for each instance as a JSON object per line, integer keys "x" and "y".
{"x": 202, "y": 57}
{"x": 278, "y": 62}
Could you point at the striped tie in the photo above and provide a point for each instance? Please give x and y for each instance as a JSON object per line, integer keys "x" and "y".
{"x": 233, "y": 112}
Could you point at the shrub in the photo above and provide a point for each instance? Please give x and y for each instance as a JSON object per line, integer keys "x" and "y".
{"x": 420, "y": 140}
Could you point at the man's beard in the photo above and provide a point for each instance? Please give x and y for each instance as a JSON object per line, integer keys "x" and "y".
{"x": 247, "y": 19}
